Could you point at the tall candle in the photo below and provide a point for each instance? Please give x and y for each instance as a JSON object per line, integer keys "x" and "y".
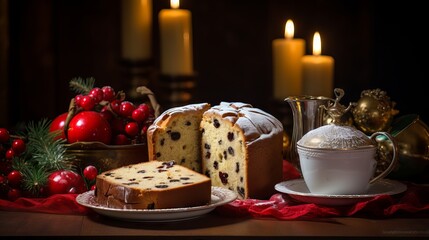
{"x": 318, "y": 71}
{"x": 287, "y": 72}
{"x": 136, "y": 29}
{"x": 176, "y": 40}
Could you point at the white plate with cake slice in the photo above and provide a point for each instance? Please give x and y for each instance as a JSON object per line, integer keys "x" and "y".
{"x": 219, "y": 196}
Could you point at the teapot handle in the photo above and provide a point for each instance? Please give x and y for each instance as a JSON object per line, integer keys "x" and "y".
{"x": 394, "y": 159}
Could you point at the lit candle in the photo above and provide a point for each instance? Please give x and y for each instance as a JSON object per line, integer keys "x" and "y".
{"x": 137, "y": 29}
{"x": 318, "y": 71}
{"x": 176, "y": 40}
{"x": 287, "y": 72}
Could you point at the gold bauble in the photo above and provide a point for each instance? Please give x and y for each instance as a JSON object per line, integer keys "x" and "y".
{"x": 373, "y": 112}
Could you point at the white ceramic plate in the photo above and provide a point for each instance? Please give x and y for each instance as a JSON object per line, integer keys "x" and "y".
{"x": 298, "y": 190}
{"x": 219, "y": 197}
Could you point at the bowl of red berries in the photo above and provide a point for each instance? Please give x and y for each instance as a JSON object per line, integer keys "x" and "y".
{"x": 100, "y": 131}
{"x": 104, "y": 129}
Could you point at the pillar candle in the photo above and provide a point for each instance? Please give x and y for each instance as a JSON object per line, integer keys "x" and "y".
{"x": 136, "y": 29}
{"x": 318, "y": 71}
{"x": 287, "y": 72}
{"x": 176, "y": 40}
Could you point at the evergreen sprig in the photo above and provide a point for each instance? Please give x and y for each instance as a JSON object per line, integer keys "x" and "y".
{"x": 35, "y": 178}
{"x": 44, "y": 155}
{"x": 82, "y": 86}
{"x": 47, "y": 152}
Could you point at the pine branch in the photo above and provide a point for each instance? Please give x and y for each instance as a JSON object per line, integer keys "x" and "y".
{"x": 43, "y": 156}
{"x": 35, "y": 179}
{"x": 82, "y": 86}
{"x": 20, "y": 163}
{"x": 45, "y": 151}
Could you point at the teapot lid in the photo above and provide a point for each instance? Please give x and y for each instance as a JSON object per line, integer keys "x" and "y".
{"x": 335, "y": 137}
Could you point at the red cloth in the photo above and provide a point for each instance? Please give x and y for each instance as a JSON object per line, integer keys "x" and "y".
{"x": 57, "y": 203}
{"x": 414, "y": 202}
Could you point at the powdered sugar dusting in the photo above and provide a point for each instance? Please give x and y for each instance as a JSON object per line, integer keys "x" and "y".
{"x": 335, "y": 137}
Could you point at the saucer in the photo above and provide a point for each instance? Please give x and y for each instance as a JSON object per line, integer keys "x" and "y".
{"x": 298, "y": 190}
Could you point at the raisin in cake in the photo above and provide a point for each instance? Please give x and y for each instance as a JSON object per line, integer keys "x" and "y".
{"x": 242, "y": 149}
{"x": 175, "y": 135}
{"x": 152, "y": 185}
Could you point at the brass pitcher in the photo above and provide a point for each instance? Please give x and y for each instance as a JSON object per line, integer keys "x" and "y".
{"x": 308, "y": 113}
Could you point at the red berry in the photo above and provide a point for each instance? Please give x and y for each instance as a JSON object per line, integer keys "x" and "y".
{"x": 4, "y": 135}
{"x": 106, "y": 113}
{"x": 14, "y": 178}
{"x": 108, "y": 93}
{"x": 18, "y": 146}
{"x": 121, "y": 139}
{"x": 14, "y": 194}
{"x": 126, "y": 109}
{"x": 58, "y": 125}
{"x": 145, "y": 107}
{"x": 89, "y": 126}
{"x": 93, "y": 187}
{"x": 10, "y": 154}
{"x": 132, "y": 129}
{"x": 115, "y": 105}
{"x": 139, "y": 115}
{"x": 87, "y": 103}
{"x": 90, "y": 172}
{"x": 97, "y": 94}
{"x": 144, "y": 130}
{"x": 78, "y": 100}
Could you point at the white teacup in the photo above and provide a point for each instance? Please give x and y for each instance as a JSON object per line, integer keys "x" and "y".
{"x": 340, "y": 160}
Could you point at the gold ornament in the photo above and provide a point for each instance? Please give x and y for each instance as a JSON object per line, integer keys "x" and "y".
{"x": 374, "y": 111}
{"x": 337, "y": 113}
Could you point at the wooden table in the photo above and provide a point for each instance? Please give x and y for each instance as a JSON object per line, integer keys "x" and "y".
{"x": 208, "y": 226}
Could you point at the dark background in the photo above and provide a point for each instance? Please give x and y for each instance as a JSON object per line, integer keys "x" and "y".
{"x": 375, "y": 44}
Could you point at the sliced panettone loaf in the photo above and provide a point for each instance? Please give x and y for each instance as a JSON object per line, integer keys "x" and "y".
{"x": 152, "y": 185}
{"x": 176, "y": 135}
{"x": 242, "y": 149}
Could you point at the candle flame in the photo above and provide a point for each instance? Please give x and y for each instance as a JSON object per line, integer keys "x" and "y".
{"x": 289, "y": 29}
{"x": 317, "y": 44}
{"x": 175, "y": 4}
